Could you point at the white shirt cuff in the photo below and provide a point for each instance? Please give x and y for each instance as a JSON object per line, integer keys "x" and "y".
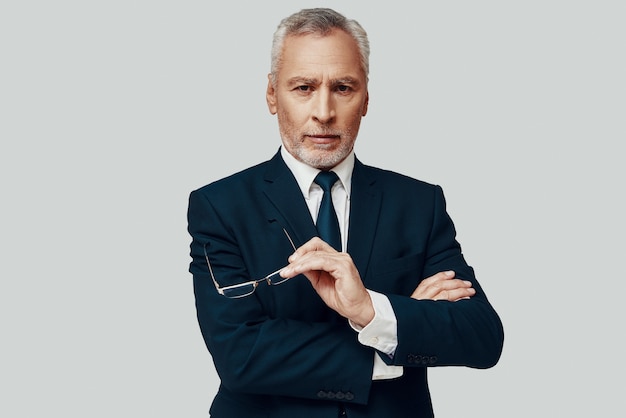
{"x": 382, "y": 334}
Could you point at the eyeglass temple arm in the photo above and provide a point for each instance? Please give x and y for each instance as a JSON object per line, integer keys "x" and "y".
{"x": 289, "y": 238}
{"x": 216, "y": 284}
{"x": 206, "y": 256}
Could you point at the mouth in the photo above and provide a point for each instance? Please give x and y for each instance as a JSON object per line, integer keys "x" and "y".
{"x": 323, "y": 138}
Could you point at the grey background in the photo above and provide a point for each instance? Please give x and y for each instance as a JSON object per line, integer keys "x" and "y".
{"x": 112, "y": 112}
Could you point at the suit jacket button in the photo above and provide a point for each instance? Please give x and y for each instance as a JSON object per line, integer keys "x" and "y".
{"x": 349, "y": 396}
{"x": 340, "y": 395}
{"x": 331, "y": 395}
{"x": 410, "y": 358}
{"x": 321, "y": 394}
{"x": 432, "y": 359}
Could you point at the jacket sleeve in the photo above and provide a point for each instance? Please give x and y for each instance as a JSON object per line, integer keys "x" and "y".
{"x": 441, "y": 333}
{"x": 255, "y": 350}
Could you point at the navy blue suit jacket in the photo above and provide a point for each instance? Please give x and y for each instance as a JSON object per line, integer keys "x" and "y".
{"x": 282, "y": 352}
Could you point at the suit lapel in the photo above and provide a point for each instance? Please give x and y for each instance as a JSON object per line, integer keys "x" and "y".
{"x": 287, "y": 205}
{"x": 365, "y": 203}
{"x": 288, "y": 208}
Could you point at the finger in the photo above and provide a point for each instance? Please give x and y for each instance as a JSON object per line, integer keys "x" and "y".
{"x": 453, "y": 284}
{"x": 432, "y": 285}
{"x": 329, "y": 261}
{"x": 456, "y": 294}
{"x": 438, "y": 277}
{"x": 437, "y": 289}
{"x": 314, "y": 244}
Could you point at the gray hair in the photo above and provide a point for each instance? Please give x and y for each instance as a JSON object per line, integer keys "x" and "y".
{"x": 319, "y": 21}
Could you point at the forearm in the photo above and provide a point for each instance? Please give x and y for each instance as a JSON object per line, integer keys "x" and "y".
{"x": 466, "y": 332}
{"x": 441, "y": 333}
{"x": 256, "y": 354}
{"x": 281, "y": 340}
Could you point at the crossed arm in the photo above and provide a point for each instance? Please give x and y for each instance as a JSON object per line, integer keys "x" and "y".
{"x": 336, "y": 280}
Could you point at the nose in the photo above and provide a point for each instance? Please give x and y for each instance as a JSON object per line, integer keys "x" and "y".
{"x": 324, "y": 107}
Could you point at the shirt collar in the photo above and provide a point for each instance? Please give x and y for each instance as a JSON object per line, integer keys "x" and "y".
{"x": 305, "y": 174}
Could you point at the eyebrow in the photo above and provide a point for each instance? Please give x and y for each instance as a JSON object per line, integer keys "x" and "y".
{"x": 314, "y": 81}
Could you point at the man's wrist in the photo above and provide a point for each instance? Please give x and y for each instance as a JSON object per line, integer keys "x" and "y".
{"x": 365, "y": 313}
{"x": 381, "y": 332}
{"x": 365, "y": 317}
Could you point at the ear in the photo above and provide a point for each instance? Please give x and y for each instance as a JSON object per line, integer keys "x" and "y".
{"x": 367, "y": 101}
{"x": 270, "y": 95}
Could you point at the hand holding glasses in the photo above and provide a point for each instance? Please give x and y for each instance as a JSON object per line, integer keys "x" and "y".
{"x": 246, "y": 289}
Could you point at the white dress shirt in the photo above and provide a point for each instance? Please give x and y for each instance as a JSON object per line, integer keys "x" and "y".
{"x": 381, "y": 332}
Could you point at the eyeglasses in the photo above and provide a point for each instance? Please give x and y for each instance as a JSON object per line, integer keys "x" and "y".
{"x": 246, "y": 289}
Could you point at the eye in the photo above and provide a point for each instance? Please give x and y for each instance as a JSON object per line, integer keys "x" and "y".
{"x": 303, "y": 88}
{"x": 343, "y": 88}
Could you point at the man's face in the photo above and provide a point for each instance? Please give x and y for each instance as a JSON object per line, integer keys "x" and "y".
{"x": 320, "y": 97}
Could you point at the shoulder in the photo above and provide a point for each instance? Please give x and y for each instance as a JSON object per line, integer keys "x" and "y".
{"x": 247, "y": 180}
{"x": 244, "y": 178}
{"x": 229, "y": 194}
{"x": 388, "y": 179}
